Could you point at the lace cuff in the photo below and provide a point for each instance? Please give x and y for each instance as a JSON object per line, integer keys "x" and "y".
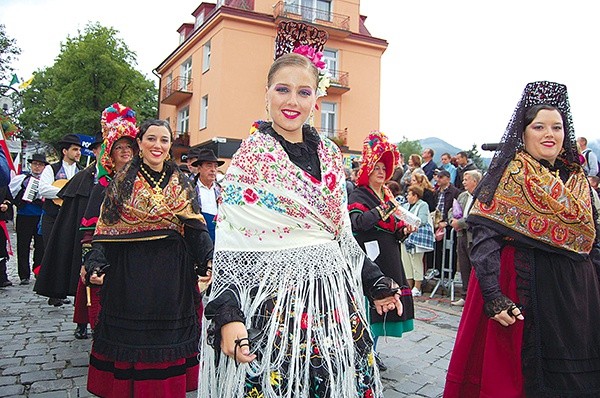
{"x": 226, "y": 314}
{"x": 497, "y": 305}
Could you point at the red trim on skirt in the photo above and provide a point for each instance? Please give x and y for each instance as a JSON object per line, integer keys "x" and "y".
{"x": 173, "y": 379}
{"x": 486, "y": 361}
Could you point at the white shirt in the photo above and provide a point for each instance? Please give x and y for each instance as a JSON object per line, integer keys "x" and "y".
{"x": 47, "y": 190}
{"x": 208, "y": 199}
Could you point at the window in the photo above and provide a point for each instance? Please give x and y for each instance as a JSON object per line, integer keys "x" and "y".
{"x": 324, "y": 10}
{"x": 328, "y": 118}
{"x": 206, "y": 57}
{"x": 310, "y": 9}
{"x": 169, "y": 84}
{"x": 330, "y": 57}
{"x": 183, "y": 121}
{"x": 204, "y": 112}
{"x": 182, "y": 37}
{"x": 199, "y": 20}
{"x": 186, "y": 74}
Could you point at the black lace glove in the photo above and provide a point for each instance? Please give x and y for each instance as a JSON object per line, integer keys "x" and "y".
{"x": 384, "y": 287}
{"x": 497, "y": 305}
{"x": 225, "y": 315}
{"x": 94, "y": 261}
{"x": 386, "y": 210}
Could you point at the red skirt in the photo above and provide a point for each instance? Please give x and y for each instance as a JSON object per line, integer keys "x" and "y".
{"x": 486, "y": 361}
{"x": 85, "y": 313}
{"x": 109, "y": 379}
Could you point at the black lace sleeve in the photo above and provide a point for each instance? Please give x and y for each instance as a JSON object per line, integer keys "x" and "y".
{"x": 485, "y": 257}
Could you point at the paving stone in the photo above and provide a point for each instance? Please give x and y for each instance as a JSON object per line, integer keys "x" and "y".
{"x": 17, "y": 370}
{"x": 16, "y": 389}
{"x": 51, "y": 385}
{"x": 74, "y": 372}
{"x": 32, "y": 377}
{"x": 8, "y": 380}
{"x": 38, "y": 359}
{"x": 10, "y": 362}
{"x": 54, "y": 365}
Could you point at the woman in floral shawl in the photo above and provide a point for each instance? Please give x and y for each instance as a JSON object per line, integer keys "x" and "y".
{"x": 286, "y": 303}
{"x": 530, "y": 322}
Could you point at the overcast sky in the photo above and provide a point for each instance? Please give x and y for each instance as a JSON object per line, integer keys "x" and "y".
{"x": 453, "y": 69}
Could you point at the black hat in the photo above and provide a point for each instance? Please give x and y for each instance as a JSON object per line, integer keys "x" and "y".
{"x": 194, "y": 153}
{"x": 69, "y": 139}
{"x": 38, "y": 157}
{"x": 443, "y": 173}
{"x": 98, "y": 140}
{"x": 183, "y": 167}
{"x": 205, "y": 155}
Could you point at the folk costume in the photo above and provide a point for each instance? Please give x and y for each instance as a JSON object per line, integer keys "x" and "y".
{"x": 117, "y": 121}
{"x": 535, "y": 246}
{"x": 148, "y": 241}
{"x": 59, "y": 272}
{"x": 288, "y": 267}
{"x": 381, "y": 231}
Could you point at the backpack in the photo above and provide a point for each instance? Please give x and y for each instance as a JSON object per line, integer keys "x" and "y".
{"x": 586, "y": 155}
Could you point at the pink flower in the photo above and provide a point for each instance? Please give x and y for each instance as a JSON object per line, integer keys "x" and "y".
{"x": 250, "y": 196}
{"x": 330, "y": 180}
{"x": 316, "y": 57}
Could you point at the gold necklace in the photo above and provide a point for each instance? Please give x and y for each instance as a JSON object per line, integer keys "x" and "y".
{"x": 157, "y": 195}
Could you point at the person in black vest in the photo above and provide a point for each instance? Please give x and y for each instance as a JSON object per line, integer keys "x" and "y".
{"x": 50, "y": 185}
{"x": 70, "y": 148}
{"x": 209, "y": 191}
{"x": 29, "y": 210}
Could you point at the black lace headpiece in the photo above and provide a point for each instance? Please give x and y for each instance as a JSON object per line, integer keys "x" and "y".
{"x": 536, "y": 93}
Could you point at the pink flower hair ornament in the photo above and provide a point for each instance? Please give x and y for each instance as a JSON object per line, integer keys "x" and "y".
{"x": 316, "y": 57}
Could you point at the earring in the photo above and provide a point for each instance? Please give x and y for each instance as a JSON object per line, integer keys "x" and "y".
{"x": 268, "y": 115}
{"x": 141, "y": 154}
{"x": 168, "y": 156}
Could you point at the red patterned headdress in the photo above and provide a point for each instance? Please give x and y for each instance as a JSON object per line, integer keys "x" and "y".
{"x": 117, "y": 121}
{"x": 377, "y": 148}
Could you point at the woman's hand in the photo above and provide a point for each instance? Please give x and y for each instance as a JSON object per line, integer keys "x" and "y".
{"x": 505, "y": 318}
{"x": 388, "y": 304}
{"x": 205, "y": 281}
{"x": 231, "y": 332}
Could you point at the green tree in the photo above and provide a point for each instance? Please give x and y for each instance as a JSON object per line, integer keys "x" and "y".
{"x": 92, "y": 71}
{"x": 407, "y": 148}
{"x": 8, "y": 53}
{"x": 475, "y": 156}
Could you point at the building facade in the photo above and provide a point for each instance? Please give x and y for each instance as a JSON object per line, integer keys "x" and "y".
{"x": 212, "y": 86}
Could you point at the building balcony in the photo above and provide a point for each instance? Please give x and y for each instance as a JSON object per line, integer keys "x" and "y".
{"x": 177, "y": 91}
{"x": 339, "y": 82}
{"x": 315, "y": 16}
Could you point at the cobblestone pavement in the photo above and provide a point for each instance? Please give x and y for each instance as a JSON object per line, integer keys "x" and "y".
{"x": 40, "y": 358}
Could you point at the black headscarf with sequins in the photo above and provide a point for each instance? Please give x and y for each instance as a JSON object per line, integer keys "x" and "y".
{"x": 536, "y": 93}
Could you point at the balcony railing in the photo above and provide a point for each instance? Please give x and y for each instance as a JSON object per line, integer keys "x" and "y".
{"x": 178, "y": 90}
{"x": 284, "y": 9}
{"x": 340, "y": 78}
{"x": 334, "y": 133}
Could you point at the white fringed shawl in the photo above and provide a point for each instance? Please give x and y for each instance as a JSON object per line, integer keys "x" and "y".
{"x": 284, "y": 237}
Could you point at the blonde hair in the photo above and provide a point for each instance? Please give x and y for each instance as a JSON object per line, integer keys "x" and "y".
{"x": 292, "y": 59}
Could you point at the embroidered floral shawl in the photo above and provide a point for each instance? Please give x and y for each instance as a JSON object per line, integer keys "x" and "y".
{"x": 535, "y": 203}
{"x": 284, "y": 237}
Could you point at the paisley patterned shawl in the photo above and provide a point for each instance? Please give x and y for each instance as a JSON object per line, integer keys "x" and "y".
{"x": 141, "y": 218}
{"x": 535, "y": 203}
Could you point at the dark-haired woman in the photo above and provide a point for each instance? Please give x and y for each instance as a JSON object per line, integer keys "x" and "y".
{"x": 530, "y": 321}
{"x": 149, "y": 245}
